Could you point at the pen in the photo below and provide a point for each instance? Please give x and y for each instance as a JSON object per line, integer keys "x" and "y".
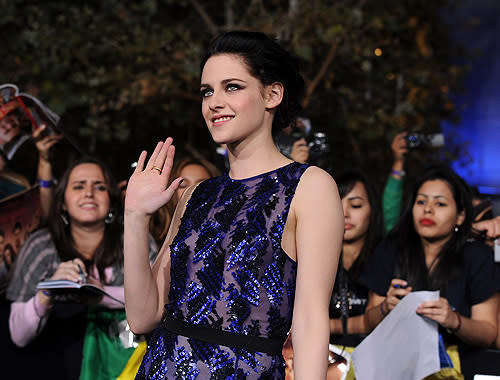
{"x": 397, "y": 286}
{"x": 82, "y": 275}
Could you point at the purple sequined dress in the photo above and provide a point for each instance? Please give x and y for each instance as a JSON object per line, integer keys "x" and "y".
{"x": 229, "y": 274}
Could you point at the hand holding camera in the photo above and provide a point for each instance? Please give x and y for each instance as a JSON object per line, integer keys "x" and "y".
{"x": 418, "y": 140}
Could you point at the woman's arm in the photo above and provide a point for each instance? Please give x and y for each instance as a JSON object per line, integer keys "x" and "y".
{"x": 393, "y": 191}
{"x": 478, "y": 330}
{"x": 115, "y": 291}
{"x": 146, "y": 192}
{"x": 379, "y": 306}
{"x": 118, "y": 292}
{"x": 45, "y": 175}
{"x": 375, "y": 310}
{"x": 27, "y": 319}
{"x": 318, "y": 235}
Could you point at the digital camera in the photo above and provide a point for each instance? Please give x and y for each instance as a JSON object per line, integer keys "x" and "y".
{"x": 417, "y": 140}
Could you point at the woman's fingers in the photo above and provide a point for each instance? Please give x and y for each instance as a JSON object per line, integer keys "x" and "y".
{"x": 161, "y": 159}
{"x": 152, "y": 160}
{"x": 437, "y": 310}
{"x": 169, "y": 161}
{"x": 80, "y": 266}
{"x": 67, "y": 270}
{"x": 169, "y": 191}
{"x": 140, "y": 162}
{"x": 147, "y": 189}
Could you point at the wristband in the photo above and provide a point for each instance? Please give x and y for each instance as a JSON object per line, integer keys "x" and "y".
{"x": 401, "y": 173}
{"x": 455, "y": 330}
{"x": 382, "y": 309}
{"x": 46, "y": 184}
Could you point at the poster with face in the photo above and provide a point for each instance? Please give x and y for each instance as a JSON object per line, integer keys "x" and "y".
{"x": 19, "y": 217}
{"x": 21, "y": 114}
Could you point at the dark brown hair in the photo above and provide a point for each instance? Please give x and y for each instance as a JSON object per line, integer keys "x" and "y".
{"x": 269, "y": 62}
{"x": 110, "y": 250}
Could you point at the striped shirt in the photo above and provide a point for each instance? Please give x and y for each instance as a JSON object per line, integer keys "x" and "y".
{"x": 38, "y": 260}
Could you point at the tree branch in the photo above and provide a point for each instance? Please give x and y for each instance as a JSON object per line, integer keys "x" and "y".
{"x": 229, "y": 14}
{"x": 253, "y": 4}
{"x": 204, "y": 15}
{"x": 321, "y": 73}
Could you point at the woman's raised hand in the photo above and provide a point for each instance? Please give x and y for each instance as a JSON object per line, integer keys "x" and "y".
{"x": 45, "y": 142}
{"x": 148, "y": 187}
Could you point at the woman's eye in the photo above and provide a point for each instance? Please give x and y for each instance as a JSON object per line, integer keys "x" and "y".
{"x": 357, "y": 206}
{"x": 233, "y": 87}
{"x": 420, "y": 202}
{"x": 77, "y": 187}
{"x": 101, "y": 188}
{"x": 206, "y": 92}
{"x": 441, "y": 204}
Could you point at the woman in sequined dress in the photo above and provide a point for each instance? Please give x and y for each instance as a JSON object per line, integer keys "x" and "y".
{"x": 249, "y": 253}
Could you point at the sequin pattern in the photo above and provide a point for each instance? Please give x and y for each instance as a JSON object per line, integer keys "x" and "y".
{"x": 230, "y": 273}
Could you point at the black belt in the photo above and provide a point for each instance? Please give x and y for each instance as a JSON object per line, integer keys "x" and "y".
{"x": 272, "y": 346}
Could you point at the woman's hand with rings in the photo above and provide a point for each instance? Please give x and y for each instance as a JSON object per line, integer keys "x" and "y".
{"x": 398, "y": 289}
{"x": 148, "y": 188}
{"x": 70, "y": 270}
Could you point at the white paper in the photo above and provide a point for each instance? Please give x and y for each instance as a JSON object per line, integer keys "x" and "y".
{"x": 403, "y": 346}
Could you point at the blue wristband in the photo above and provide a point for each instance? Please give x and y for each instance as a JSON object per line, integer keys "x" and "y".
{"x": 401, "y": 173}
{"x": 382, "y": 309}
{"x": 46, "y": 184}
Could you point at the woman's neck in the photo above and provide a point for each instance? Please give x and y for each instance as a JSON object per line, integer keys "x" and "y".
{"x": 251, "y": 158}
{"x": 87, "y": 239}
{"x": 351, "y": 251}
{"x": 432, "y": 248}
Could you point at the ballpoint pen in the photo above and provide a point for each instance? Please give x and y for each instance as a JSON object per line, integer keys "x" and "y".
{"x": 82, "y": 275}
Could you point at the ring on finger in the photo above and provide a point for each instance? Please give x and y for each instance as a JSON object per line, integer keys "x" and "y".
{"x": 157, "y": 168}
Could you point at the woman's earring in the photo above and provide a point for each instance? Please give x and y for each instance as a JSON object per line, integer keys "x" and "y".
{"x": 456, "y": 228}
{"x": 109, "y": 218}
{"x": 64, "y": 218}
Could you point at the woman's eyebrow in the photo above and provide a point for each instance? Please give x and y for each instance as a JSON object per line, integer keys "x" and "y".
{"x": 355, "y": 198}
{"x": 433, "y": 196}
{"x": 224, "y": 81}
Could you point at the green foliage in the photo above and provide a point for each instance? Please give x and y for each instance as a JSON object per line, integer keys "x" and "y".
{"x": 125, "y": 74}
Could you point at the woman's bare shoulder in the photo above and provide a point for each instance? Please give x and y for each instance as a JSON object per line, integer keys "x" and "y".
{"x": 317, "y": 179}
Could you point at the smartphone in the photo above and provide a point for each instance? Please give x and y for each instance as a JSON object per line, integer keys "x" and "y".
{"x": 497, "y": 251}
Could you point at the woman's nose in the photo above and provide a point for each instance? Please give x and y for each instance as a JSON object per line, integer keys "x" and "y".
{"x": 215, "y": 101}
{"x": 89, "y": 191}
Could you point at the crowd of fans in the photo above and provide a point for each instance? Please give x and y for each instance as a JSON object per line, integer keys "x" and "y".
{"x": 436, "y": 241}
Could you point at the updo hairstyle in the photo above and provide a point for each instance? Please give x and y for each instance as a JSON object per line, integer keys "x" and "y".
{"x": 269, "y": 62}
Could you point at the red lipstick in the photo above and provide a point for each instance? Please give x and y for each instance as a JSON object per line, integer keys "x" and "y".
{"x": 427, "y": 222}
